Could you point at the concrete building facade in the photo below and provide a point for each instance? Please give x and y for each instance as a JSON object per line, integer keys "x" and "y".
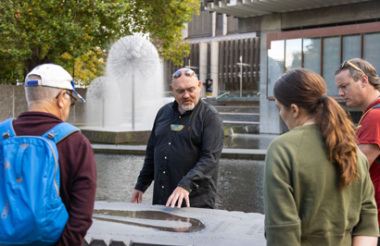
{"x": 314, "y": 34}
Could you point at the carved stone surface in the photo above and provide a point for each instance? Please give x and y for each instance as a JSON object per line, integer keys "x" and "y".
{"x": 120, "y": 223}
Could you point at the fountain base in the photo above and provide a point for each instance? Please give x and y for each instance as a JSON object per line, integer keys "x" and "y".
{"x": 117, "y": 137}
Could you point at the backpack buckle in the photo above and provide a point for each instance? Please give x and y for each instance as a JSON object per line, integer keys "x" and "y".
{"x": 51, "y": 135}
{"x": 6, "y": 135}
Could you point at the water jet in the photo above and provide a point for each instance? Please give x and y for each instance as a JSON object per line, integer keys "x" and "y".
{"x": 121, "y": 106}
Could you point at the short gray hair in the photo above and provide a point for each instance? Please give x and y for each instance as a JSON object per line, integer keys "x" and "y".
{"x": 38, "y": 94}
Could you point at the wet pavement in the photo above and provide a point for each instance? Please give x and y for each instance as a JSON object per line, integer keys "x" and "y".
{"x": 159, "y": 220}
{"x": 142, "y": 224}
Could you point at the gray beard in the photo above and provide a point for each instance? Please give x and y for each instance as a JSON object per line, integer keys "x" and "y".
{"x": 188, "y": 107}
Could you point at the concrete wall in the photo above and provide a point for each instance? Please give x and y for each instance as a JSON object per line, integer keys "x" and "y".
{"x": 13, "y": 102}
{"x": 349, "y": 13}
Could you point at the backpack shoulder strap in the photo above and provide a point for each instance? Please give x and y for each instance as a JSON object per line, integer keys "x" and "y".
{"x": 6, "y": 129}
{"x": 60, "y": 131}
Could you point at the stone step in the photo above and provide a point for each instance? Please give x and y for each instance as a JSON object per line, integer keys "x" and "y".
{"x": 238, "y": 109}
{"x": 243, "y": 117}
{"x": 239, "y": 116}
{"x": 241, "y": 127}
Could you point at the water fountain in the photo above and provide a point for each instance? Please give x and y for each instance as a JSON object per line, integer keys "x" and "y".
{"x": 121, "y": 106}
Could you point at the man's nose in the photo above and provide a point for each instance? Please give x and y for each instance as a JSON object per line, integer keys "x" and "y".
{"x": 186, "y": 94}
{"x": 341, "y": 92}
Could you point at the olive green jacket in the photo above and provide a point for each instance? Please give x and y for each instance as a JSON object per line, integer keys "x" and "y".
{"x": 303, "y": 203}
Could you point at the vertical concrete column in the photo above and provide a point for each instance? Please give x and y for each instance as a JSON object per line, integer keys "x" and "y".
{"x": 214, "y": 69}
{"x": 269, "y": 116}
{"x": 213, "y": 24}
{"x": 225, "y": 26}
{"x": 203, "y": 66}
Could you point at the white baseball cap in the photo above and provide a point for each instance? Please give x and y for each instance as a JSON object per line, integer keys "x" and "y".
{"x": 52, "y": 75}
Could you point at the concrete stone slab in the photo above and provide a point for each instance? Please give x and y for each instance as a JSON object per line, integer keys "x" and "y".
{"x": 121, "y": 222}
{"x": 253, "y": 154}
{"x": 116, "y": 137}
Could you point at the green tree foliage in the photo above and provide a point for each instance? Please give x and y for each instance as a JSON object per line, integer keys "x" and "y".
{"x": 86, "y": 67}
{"x": 164, "y": 20}
{"x": 40, "y": 31}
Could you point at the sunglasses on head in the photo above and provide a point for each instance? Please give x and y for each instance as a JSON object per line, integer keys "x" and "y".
{"x": 352, "y": 65}
{"x": 188, "y": 72}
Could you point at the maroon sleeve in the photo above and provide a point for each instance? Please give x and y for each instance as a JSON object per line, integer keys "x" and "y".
{"x": 78, "y": 186}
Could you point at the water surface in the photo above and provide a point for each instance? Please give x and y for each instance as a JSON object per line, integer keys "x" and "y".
{"x": 240, "y": 182}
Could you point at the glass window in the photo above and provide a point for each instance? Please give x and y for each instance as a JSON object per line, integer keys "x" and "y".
{"x": 322, "y": 54}
{"x": 350, "y": 47}
{"x": 331, "y": 60}
{"x": 275, "y": 64}
{"x": 293, "y": 53}
{"x": 371, "y": 47}
{"x": 312, "y": 54}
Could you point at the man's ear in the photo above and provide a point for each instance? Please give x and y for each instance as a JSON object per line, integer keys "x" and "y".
{"x": 364, "y": 80}
{"x": 171, "y": 87}
{"x": 60, "y": 99}
{"x": 295, "y": 110}
{"x": 199, "y": 83}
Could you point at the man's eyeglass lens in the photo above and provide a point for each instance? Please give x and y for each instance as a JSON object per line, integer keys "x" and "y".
{"x": 73, "y": 99}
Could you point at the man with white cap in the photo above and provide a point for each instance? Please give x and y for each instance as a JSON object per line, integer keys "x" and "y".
{"x": 50, "y": 93}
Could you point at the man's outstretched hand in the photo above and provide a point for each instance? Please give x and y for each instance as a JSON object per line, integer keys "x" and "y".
{"x": 178, "y": 195}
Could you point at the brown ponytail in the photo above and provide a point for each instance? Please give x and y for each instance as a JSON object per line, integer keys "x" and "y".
{"x": 307, "y": 89}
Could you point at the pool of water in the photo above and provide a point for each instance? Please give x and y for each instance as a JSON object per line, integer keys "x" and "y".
{"x": 248, "y": 141}
{"x": 240, "y": 182}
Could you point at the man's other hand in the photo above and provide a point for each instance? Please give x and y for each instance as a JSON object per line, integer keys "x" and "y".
{"x": 137, "y": 196}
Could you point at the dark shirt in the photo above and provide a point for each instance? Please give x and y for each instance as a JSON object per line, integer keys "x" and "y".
{"x": 187, "y": 157}
{"x": 77, "y": 173}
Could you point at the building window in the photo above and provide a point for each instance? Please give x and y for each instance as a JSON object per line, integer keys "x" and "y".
{"x": 330, "y": 63}
{"x": 371, "y": 48}
{"x": 293, "y": 53}
{"x": 312, "y": 54}
{"x": 321, "y": 50}
{"x": 276, "y": 60}
{"x": 350, "y": 47}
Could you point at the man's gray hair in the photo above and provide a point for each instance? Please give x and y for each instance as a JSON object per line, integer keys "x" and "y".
{"x": 38, "y": 94}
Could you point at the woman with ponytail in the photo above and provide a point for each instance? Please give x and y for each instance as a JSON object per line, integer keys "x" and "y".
{"x": 317, "y": 189}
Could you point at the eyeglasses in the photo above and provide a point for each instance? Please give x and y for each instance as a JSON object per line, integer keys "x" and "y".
{"x": 188, "y": 72}
{"x": 352, "y": 65}
{"x": 73, "y": 99}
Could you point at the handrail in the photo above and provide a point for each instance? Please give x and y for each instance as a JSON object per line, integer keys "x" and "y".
{"x": 222, "y": 95}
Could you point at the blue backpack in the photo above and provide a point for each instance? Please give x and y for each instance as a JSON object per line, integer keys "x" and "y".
{"x": 32, "y": 212}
